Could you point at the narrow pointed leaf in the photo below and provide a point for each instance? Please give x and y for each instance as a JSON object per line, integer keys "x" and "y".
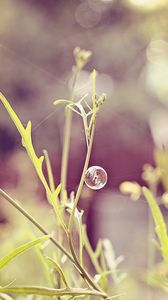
{"x": 9, "y": 257}
{"x": 57, "y": 191}
{"x": 160, "y": 228}
{"x": 26, "y": 140}
{"x": 58, "y": 269}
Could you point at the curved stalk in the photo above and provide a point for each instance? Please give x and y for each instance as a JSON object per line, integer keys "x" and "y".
{"x": 49, "y": 171}
{"x": 151, "y": 250}
{"x": 82, "y": 179}
{"x": 66, "y": 143}
{"x": 84, "y": 272}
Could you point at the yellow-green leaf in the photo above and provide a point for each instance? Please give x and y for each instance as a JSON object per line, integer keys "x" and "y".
{"x": 160, "y": 226}
{"x": 10, "y": 256}
{"x": 26, "y": 141}
{"x": 58, "y": 269}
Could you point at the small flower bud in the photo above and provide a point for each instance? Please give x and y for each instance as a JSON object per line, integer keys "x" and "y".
{"x": 81, "y": 57}
{"x": 131, "y": 188}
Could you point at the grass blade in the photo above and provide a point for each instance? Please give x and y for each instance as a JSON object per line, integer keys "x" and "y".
{"x": 58, "y": 269}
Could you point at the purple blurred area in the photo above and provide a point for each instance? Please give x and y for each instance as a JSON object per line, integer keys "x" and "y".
{"x": 37, "y": 39}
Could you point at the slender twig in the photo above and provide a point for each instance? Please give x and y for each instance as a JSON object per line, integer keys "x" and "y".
{"x": 52, "y": 188}
{"x": 44, "y": 291}
{"x": 79, "y": 190}
{"x": 89, "y": 149}
{"x": 66, "y": 142}
{"x": 85, "y": 273}
{"x": 90, "y": 251}
{"x": 49, "y": 171}
{"x": 151, "y": 250}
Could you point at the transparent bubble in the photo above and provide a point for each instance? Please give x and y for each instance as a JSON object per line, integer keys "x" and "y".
{"x": 96, "y": 178}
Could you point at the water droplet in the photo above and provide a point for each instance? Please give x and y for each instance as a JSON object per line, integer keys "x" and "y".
{"x": 96, "y": 178}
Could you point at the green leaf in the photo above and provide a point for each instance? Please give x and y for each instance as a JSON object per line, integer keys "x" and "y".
{"x": 28, "y": 145}
{"x": 26, "y": 141}
{"x": 9, "y": 257}
{"x": 160, "y": 228}
{"x": 57, "y": 191}
{"x": 58, "y": 269}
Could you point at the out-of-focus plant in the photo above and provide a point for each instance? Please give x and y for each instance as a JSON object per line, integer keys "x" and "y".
{"x": 157, "y": 273}
{"x": 65, "y": 267}
{"x": 157, "y": 276}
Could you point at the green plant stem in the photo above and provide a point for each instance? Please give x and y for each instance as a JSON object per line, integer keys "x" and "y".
{"x": 70, "y": 226}
{"x": 65, "y": 153}
{"x": 66, "y": 142}
{"x": 151, "y": 250}
{"x": 82, "y": 179}
{"x": 49, "y": 171}
{"x": 64, "y": 176}
{"x": 90, "y": 251}
{"x": 151, "y": 247}
{"x": 44, "y": 291}
{"x": 86, "y": 275}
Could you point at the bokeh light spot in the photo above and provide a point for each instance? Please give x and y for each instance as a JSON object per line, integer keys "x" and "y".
{"x": 86, "y": 17}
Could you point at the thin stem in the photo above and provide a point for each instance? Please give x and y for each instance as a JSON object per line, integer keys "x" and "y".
{"x": 94, "y": 87}
{"x": 52, "y": 188}
{"x": 90, "y": 251}
{"x": 80, "y": 246}
{"x": 71, "y": 220}
{"x": 49, "y": 171}
{"x": 151, "y": 248}
{"x": 86, "y": 275}
{"x": 44, "y": 291}
{"x": 105, "y": 272}
{"x": 64, "y": 164}
{"x": 82, "y": 179}
{"x": 66, "y": 143}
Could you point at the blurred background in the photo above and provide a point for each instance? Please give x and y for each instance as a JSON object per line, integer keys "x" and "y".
{"x": 129, "y": 42}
